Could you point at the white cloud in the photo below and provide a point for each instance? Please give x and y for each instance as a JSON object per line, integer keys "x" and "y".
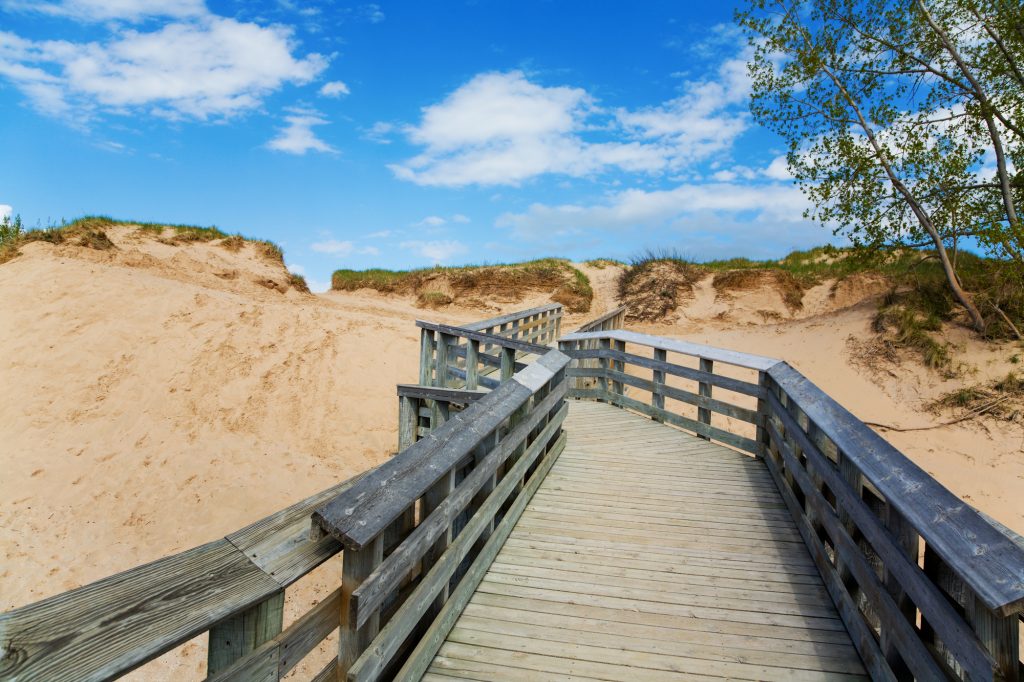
{"x": 499, "y": 128}
{"x": 432, "y": 221}
{"x": 334, "y": 89}
{"x": 297, "y": 137}
{"x": 778, "y": 169}
{"x": 105, "y": 10}
{"x": 5, "y": 210}
{"x": 343, "y": 248}
{"x": 436, "y": 251}
{"x": 372, "y": 13}
{"x": 334, "y": 247}
{"x": 379, "y": 234}
{"x": 207, "y": 67}
{"x": 379, "y": 132}
{"x": 459, "y": 218}
{"x": 702, "y": 122}
{"x": 639, "y": 209}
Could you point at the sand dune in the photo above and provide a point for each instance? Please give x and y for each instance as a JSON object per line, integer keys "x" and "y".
{"x": 158, "y": 396}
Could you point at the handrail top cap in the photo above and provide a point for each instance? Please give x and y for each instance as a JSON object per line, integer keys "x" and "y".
{"x": 730, "y": 357}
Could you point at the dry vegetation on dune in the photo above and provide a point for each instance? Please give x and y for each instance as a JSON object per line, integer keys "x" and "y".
{"x": 472, "y": 284}
{"x": 913, "y": 315}
{"x": 91, "y": 232}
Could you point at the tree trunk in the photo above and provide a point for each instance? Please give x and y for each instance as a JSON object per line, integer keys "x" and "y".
{"x": 962, "y": 297}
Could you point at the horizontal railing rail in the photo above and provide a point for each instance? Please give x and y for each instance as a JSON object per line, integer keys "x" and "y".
{"x": 927, "y": 587}
{"x": 459, "y": 357}
{"x": 233, "y": 588}
{"x": 540, "y": 325}
{"x": 420, "y": 531}
{"x": 613, "y": 319}
{"x": 421, "y": 409}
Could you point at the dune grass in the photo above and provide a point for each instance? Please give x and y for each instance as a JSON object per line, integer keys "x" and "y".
{"x": 569, "y": 285}
{"x": 90, "y": 231}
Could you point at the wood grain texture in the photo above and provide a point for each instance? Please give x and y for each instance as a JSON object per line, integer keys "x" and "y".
{"x": 586, "y": 585}
{"x": 112, "y": 626}
{"x": 758, "y": 362}
{"x": 990, "y": 563}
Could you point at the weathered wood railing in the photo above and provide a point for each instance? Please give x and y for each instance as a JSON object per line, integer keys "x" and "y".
{"x": 927, "y": 587}
{"x": 458, "y": 357}
{"x": 422, "y": 409}
{"x": 232, "y": 588}
{"x": 540, "y": 325}
{"x": 420, "y": 531}
{"x": 612, "y": 320}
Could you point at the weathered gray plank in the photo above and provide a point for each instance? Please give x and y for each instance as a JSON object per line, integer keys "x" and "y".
{"x": 277, "y": 657}
{"x": 961, "y": 641}
{"x": 729, "y": 357}
{"x": 361, "y": 513}
{"x": 102, "y": 630}
{"x": 989, "y": 562}
{"x": 452, "y": 395}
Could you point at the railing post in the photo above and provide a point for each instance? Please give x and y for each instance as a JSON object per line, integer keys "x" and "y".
{"x": 762, "y": 414}
{"x": 602, "y": 363}
{"x": 356, "y": 566}
{"x": 704, "y": 389}
{"x": 426, "y": 357}
{"x": 508, "y": 363}
{"x": 657, "y": 397}
{"x": 431, "y": 500}
{"x": 445, "y": 342}
{"x": 618, "y": 366}
{"x": 1001, "y": 636}
{"x": 408, "y": 421}
{"x": 241, "y": 634}
{"x": 472, "y": 362}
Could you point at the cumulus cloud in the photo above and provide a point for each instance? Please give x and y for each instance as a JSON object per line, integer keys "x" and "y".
{"x": 436, "y": 251}
{"x": 499, "y": 128}
{"x": 778, "y": 169}
{"x": 502, "y": 128}
{"x": 705, "y": 120}
{"x": 201, "y": 68}
{"x": 459, "y": 218}
{"x": 432, "y": 221}
{"x": 334, "y": 89}
{"x": 5, "y": 210}
{"x": 297, "y": 136}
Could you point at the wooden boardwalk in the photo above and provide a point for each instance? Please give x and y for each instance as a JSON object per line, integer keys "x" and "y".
{"x": 650, "y": 554}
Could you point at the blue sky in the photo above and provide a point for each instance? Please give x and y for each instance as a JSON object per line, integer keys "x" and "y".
{"x": 397, "y": 134}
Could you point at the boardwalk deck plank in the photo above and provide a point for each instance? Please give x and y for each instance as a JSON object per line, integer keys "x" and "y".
{"x": 648, "y": 553}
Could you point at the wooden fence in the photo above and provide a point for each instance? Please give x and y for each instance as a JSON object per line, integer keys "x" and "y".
{"x": 612, "y": 320}
{"x": 927, "y": 587}
{"x": 234, "y": 588}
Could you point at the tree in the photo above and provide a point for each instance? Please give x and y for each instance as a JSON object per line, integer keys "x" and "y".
{"x": 904, "y": 119}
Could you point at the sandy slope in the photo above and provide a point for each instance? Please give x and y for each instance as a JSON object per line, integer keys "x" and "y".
{"x": 156, "y": 397}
